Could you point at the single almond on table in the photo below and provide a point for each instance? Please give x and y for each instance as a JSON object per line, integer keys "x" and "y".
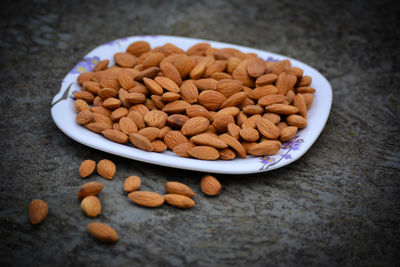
{"x": 179, "y": 188}
{"x": 91, "y": 206}
{"x": 179, "y": 201}
{"x": 87, "y": 168}
{"x": 89, "y": 189}
{"x": 38, "y": 210}
{"x": 102, "y": 232}
{"x": 210, "y": 185}
{"x": 146, "y": 198}
{"x": 132, "y": 183}
{"x": 106, "y": 169}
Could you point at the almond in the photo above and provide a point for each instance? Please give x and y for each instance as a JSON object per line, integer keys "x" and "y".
{"x": 153, "y": 60}
{"x": 198, "y": 70}
{"x": 189, "y": 91}
{"x": 107, "y": 92}
{"x": 158, "y": 146}
{"x": 170, "y": 96}
{"x": 251, "y": 121}
{"x": 305, "y": 89}
{"x": 308, "y": 98}
{"x": 89, "y": 189}
{"x": 210, "y": 185}
{"x": 226, "y": 154}
{"x": 106, "y": 169}
{"x": 234, "y": 100}
{"x": 252, "y": 109}
{"x": 138, "y": 48}
{"x": 184, "y": 64}
{"x": 97, "y": 101}
{"x": 300, "y": 103}
{"x": 204, "y": 153}
{"x": 195, "y": 126}
{"x": 281, "y": 125}
{"x": 127, "y": 125}
{"x": 288, "y": 133}
{"x": 256, "y": 67}
{"x": 137, "y": 118}
{"x": 80, "y": 105}
{"x": 147, "y": 73}
{"x": 295, "y": 71}
{"x": 240, "y": 73}
{"x": 179, "y": 201}
{"x": 84, "y": 117}
{"x": 179, "y": 188}
{"x": 91, "y": 206}
{"x": 101, "y": 110}
{"x": 87, "y": 168}
{"x": 84, "y": 77}
{"x": 132, "y": 183}
{"x": 163, "y": 131}
{"x": 174, "y": 138}
{"x": 280, "y": 66}
{"x": 153, "y": 86}
{"x": 233, "y": 130}
{"x": 150, "y": 133}
{"x": 125, "y": 60}
{"x": 233, "y": 62}
{"x": 211, "y": 100}
{"x": 178, "y": 106}
{"x": 146, "y": 198}
{"x": 233, "y": 143}
{"x": 38, "y": 210}
{"x": 182, "y": 149}
{"x": 304, "y": 81}
{"x": 85, "y": 96}
{"x": 169, "y": 49}
{"x": 91, "y": 86}
{"x": 206, "y": 84}
{"x": 167, "y": 84}
{"x": 115, "y": 136}
{"x": 262, "y": 91}
{"x": 140, "y": 142}
{"x": 275, "y": 118}
{"x": 271, "y": 99}
{"x": 266, "y": 79}
{"x": 221, "y": 122}
{"x": 102, "y": 232}
{"x": 126, "y": 79}
{"x": 264, "y": 148}
{"x": 197, "y": 110}
{"x": 232, "y": 111}
{"x": 111, "y": 103}
{"x": 249, "y": 134}
{"x": 177, "y": 120}
{"x": 221, "y": 76}
{"x": 119, "y": 113}
{"x": 206, "y": 139}
{"x": 198, "y": 49}
{"x": 217, "y": 66}
{"x": 155, "y": 118}
{"x": 229, "y": 87}
{"x": 282, "y": 109}
{"x": 98, "y": 127}
{"x": 267, "y": 128}
{"x": 171, "y": 72}
{"x": 296, "y": 120}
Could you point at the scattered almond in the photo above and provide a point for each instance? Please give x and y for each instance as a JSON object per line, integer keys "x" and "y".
{"x": 38, "y": 210}
{"x": 106, "y": 169}
{"x": 102, "y": 232}
{"x": 210, "y": 185}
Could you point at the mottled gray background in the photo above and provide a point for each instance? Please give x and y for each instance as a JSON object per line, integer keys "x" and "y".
{"x": 337, "y": 205}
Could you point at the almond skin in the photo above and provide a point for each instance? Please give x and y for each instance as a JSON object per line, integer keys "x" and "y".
{"x": 106, "y": 169}
{"x": 233, "y": 143}
{"x": 146, "y": 198}
{"x": 140, "y": 142}
{"x": 174, "y": 138}
{"x": 102, "y": 232}
{"x": 204, "y": 152}
{"x": 38, "y": 210}
{"x": 179, "y": 201}
{"x": 179, "y": 188}
{"x": 183, "y": 148}
{"x": 267, "y": 128}
{"x": 210, "y": 185}
{"x": 87, "y": 168}
{"x": 138, "y": 48}
{"x": 132, "y": 183}
{"x": 115, "y": 136}
{"x": 288, "y": 133}
{"x": 89, "y": 189}
{"x": 206, "y": 139}
{"x": 264, "y": 148}
{"x": 155, "y": 118}
{"x": 296, "y": 120}
{"x": 91, "y": 206}
{"x": 195, "y": 126}
{"x": 211, "y": 100}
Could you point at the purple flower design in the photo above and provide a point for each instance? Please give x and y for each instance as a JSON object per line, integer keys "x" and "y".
{"x": 286, "y": 156}
{"x": 294, "y": 144}
{"x": 271, "y": 59}
{"x": 267, "y": 160}
{"x": 87, "y": 64}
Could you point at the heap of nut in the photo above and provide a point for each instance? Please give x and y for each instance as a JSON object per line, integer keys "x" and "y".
{"x": 177, "y": 194}
{"x": 205, "y": 103}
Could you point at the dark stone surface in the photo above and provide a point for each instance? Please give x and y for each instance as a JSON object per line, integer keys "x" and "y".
{"x": 337, "y": 205}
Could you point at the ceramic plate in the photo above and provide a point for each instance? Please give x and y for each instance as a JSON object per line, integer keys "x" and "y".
{"x": 63, "y": 114}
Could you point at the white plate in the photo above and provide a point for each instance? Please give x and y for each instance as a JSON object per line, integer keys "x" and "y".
{"x": 63, "y": 114}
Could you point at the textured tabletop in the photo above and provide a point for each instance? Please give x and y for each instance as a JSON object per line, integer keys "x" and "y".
{"x": 337, "y": 205}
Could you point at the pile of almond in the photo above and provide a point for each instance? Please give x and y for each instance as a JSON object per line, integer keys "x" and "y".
{"x": 205, "y": 103}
